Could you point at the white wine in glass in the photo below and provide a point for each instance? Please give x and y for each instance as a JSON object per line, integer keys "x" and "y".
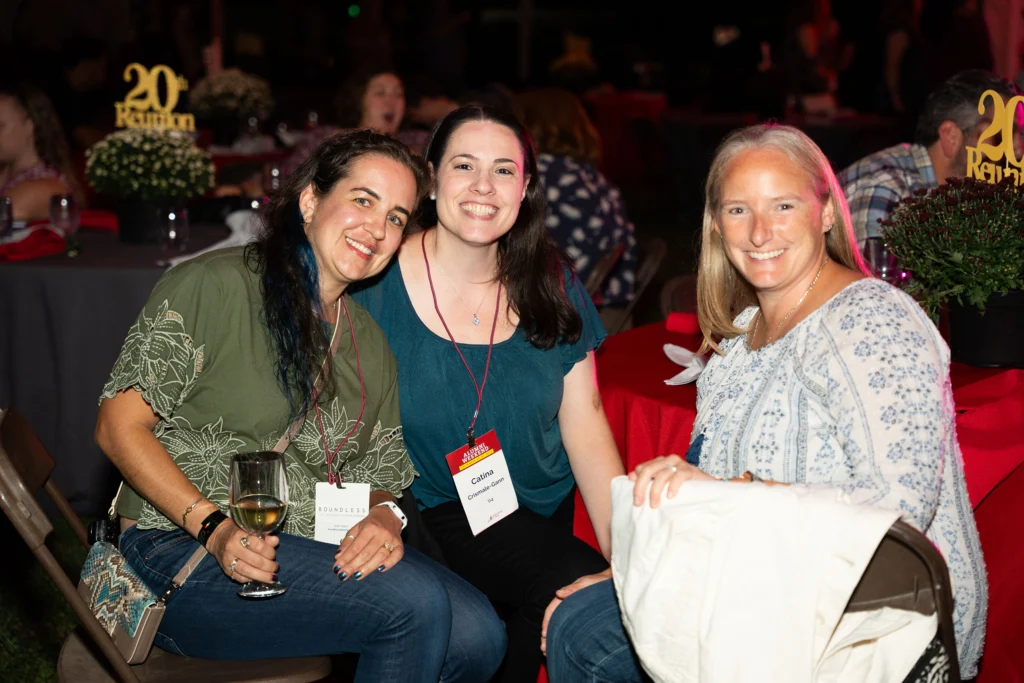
{"x": 259, "y": 500}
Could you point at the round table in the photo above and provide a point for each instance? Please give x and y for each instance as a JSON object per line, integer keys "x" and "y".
{"x": 649, "y": 418}
{"x": 62, "y": 323}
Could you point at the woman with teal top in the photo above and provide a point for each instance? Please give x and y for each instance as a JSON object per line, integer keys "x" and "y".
{"x": 495, "y": 340}
{"x": 230, "y": 349}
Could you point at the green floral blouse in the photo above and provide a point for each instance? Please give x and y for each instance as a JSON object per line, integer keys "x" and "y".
{"x": 201, "y": 357}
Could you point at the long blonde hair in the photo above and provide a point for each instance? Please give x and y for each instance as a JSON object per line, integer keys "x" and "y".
{"x": 722, "y": 293}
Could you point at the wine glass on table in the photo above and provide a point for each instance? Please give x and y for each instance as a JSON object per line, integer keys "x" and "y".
{"x": 64, "y": 216}
{"x": 881, "y": 261}
{"x": 258, "y": 488}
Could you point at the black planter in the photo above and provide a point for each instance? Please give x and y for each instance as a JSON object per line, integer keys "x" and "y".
{"x": 990, "y": 339}
{"x": 139, "y": 222}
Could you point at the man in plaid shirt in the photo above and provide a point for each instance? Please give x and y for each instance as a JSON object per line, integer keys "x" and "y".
{"x": 948, "y": 124}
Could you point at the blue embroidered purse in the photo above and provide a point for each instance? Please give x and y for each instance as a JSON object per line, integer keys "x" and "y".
{"x": 123, "y": 604}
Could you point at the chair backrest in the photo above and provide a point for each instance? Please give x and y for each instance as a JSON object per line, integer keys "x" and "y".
{"x": 655, "y": 251}
{"x": 22, "y": 452}
{"x": 908, "y": 573}
{"x": 679, "y": 295}
{"x": 603, "y": 268}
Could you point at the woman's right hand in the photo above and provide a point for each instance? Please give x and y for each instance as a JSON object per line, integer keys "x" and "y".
{"x": 255, "y": 562}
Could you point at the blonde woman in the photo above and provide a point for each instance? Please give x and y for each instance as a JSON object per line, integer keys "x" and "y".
{"x": 845, "y": 383}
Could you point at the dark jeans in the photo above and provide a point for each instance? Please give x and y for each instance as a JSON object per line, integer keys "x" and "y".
{"x": 587, "y": 643}
{"x": 518, "y": 563}
{"x": 415, "y": 622}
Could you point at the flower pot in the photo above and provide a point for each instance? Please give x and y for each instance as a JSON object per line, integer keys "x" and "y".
{"x": 993, "y": 338}
{"x": 139, "y": 222}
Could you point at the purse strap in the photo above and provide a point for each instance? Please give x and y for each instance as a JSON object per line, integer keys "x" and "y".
{"x": 282, "y": 444}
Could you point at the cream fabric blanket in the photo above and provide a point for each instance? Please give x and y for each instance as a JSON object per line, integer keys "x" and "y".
{"x": 730, "y": 583}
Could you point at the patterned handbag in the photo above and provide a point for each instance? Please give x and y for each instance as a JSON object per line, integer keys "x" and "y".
{"x": 123, "y": 604}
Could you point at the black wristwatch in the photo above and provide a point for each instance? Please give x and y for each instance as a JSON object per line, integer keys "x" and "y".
{"x": 211, "y": 522}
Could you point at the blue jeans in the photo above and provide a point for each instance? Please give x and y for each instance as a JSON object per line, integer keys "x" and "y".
{"x": 587, "y": 642}
{"x": 415, "y": 622}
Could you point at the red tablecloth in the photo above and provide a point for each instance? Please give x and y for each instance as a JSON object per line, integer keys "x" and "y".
{"x": 650, "y": 418}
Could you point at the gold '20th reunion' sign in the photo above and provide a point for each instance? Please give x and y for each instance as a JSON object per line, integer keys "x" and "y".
{"x": 144, "y": 107}
{"x": 983, "y": 160}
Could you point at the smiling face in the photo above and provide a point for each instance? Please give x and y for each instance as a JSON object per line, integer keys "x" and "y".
{"x": 481, "y": 182}
{"x": 771, "y": 220}
{"x": 356, "y": 228}
{"x": 383, "y": 104}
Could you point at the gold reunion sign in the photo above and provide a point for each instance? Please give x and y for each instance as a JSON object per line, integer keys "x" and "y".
{"x": 144, "y": 107}
{"x": 983, "y": 161}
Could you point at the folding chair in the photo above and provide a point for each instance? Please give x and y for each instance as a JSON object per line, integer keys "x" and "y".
{"x": 25, "y": 467}
{"x": 908, "y": 573}
{"x": 654, "y": 254}
{"x": 603, "y": 268}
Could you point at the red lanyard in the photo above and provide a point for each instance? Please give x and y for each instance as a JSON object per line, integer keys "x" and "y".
{"x": 328, "y": 454}
{"x": 470, "y": 437}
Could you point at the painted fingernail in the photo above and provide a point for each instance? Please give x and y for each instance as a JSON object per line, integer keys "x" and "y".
{"x": 342, "y": 576}
{"x": 274, "y": 577}
{"x": 357, "y": 575}
{"x": 380, "y": 568}
{"x": 337, "y": 568}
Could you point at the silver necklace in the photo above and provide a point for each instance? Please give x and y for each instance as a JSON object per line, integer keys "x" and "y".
{"x": 451, "y": 283}
{"x": 760, "y": 315}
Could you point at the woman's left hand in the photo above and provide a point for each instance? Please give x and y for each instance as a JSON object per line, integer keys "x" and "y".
{"x": 564, "y": 592}
{"x": 372, "y": 544}
{"x": 663, "y": 475}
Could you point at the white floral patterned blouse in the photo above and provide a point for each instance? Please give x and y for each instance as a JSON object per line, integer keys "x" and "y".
{"x": 856, "y": 396}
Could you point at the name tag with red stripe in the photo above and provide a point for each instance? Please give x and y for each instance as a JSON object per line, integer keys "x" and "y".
{"x": 483, "y": 482}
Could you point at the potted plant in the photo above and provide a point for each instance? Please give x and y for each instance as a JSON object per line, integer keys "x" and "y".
{"x": 963, "y": 243}
{"x": 148, "y": 171}
{"x": 228, "y": 97}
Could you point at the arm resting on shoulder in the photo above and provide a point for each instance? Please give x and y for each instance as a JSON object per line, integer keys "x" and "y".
{"x": 588, "y": 441}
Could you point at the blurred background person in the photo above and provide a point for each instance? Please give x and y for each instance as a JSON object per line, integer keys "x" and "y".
{"x": 372, "y": 97}
{"x": 586, "y": 215}
{"x": 34, "y": 159}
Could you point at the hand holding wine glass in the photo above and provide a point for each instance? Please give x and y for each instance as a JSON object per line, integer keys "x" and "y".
{"x": 258, "y": 488}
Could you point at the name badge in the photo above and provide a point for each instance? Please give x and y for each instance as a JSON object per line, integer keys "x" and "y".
{"x": 338, "y": 509}
{"x": 483, "y": 482}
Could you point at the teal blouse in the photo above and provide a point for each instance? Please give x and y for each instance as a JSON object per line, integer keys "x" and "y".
{"x": 521, "y": 399}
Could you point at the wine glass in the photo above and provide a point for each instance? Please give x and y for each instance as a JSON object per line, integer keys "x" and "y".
{"x": 174, "y": 230}
{"x": 64, "y": 217}
{"x": 64, "y": 213}
{"x": 258, "y": 488}
{"x": 881, "y": 262}
{"x": 6, "y": 216}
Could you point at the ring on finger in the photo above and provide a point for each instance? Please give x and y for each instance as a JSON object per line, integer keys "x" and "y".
{"x": 390, "y": 548}
{"x": 673, "y": 468}
{"x": 244, "y": 540}
{"x": 351, "y": 536}
{"x": 234, "y": 563}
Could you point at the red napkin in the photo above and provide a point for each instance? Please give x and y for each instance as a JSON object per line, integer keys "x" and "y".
{"x": 41, "y": 241}
{"x": 684, "y": 323}
{"x": 98, "y": 219}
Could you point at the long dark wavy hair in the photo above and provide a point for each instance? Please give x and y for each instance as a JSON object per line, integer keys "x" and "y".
{"x": 50, "y": 143}
{"x": 283, "y": 257}
{"x": 530, "y": 266}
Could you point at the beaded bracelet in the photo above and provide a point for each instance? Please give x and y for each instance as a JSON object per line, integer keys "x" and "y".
{"x": 211, "y": 522}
